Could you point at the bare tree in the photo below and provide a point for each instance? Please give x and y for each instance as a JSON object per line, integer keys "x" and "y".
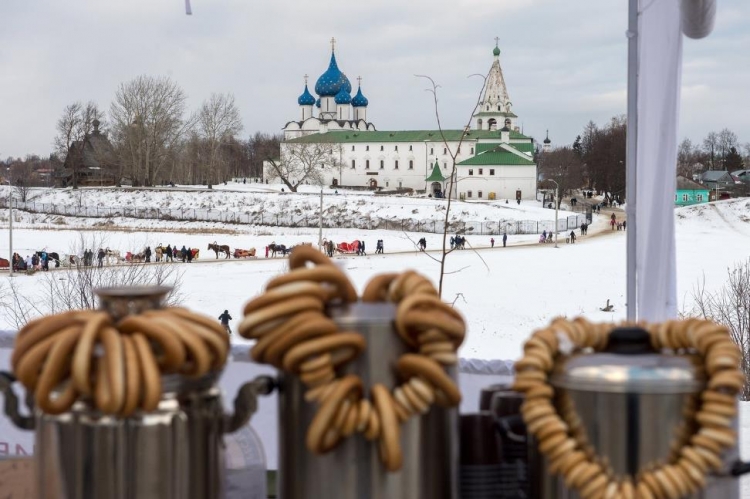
{"x": 302, "y": 163}
{"x": 730, "y": 306}
{"x": 563, "y": 165}
{"x": 453, "y": 154}
{"x": 73, "y": 126}
{"x": 711, "y": 146}
{"x": 218, "y": 122}
{"x": 148, "y": 119}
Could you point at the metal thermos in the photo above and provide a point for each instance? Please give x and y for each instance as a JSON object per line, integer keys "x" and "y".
{"x": 174, "y": 452}
{"x": 353, "y": 469}
{"x": 633, "y": 407}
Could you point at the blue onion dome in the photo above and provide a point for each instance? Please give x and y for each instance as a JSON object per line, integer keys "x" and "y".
{"x": 359, "y": 100}
{"x": 343, "y": 97}
{"x": 317, "y": 103}
{"x": 332, "y": 81}
{"x": 306, "y": 99}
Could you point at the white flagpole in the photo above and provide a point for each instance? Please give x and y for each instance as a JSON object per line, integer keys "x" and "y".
{"x": 630, "y": 158}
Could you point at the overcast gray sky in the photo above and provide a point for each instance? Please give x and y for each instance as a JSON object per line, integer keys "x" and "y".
{"x": 564, "y": 62}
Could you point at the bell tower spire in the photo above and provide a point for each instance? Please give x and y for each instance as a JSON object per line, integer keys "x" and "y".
{"x": 495, "y": 105}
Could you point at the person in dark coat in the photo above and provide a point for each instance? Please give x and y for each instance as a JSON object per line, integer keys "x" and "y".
{"x": 492, "y": 242}
{"x": 225, "y": 318}
{"x": 505, "y": 238}
{"x": 190, "y": 255}
{"x": 183, "y": 253}
{"x": 147, "y": 253}
{"x": 362, "y": 247}
{"x": 168, "y": 254}
{"x": 100, "y": 257}
{"x": 572, "y": 237}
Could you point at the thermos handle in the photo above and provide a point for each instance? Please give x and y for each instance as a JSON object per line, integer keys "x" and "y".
{"x": 740, "y": 468}
{"x": 246, "y": 402}
{"x": 505, "y": 427}
{"x": 11, "y": 403}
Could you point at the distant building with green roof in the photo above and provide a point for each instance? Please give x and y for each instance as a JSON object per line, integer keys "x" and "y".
{"x": 492, "y": 162}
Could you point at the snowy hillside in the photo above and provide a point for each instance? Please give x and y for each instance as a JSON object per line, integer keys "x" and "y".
{"x": 267, "y": 205}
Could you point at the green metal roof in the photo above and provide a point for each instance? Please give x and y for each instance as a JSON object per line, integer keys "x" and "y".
{"x": 519, "y": 146}
{"x": 497, "y": 156}
{"x": 353, "y": 136}
{"x": 436, "y": 175}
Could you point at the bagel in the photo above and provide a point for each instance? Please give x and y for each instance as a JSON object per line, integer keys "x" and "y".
{"x": 302, "y": 255}
{"x": 151, "y": 381}
{"x": 409, "y": 365}
{"x": 377, "y": 289}
{"x": 389, "y": 432}
{"x": 84, "y": 353}
{"x": 422, "y": 389}
{"x": 56, "y": 367}
{"x": 172, "y": 351}
{"x": 301, "y": 334}
{"x": 414, "y": 399}
{"x": 285, "y": 292}
{"x": 666, "y": 484}
{"x": 36, "y": 332}
{"x": 198, "y": 356}
{"x": 363, "y": 415}
{"x": 342, "y": 346}
{"x": 218, "y": 346}
{"x": 281, "y": 310}
{"x": 324, "y": 418}
{"x": 258, "y": 351}
{"x": 29, "y": 366}
{"x": 198, "y": 319}
{"x": 327, "y": 275}
{"x": 132, "y": 377}
{"x": 373, "y": 425}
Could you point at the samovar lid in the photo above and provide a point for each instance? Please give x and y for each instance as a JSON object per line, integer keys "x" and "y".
{"x": 629, "y": 364}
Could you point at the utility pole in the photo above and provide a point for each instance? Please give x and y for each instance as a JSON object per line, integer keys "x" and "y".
{"x": 320, "y": 228}
{"x": 10, "y": 225}
{"x": 557, "y": 206}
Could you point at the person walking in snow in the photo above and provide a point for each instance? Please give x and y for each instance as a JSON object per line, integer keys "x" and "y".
{"x": 147, "y": 254}
{"x": 100, "y": 257}
{"x": 505, "y": 238}
{"x": 168, "y": 254}
{"x": 183, "y": 253}
{"x": 362, "y": 248}
{"x": 492, "y": 242}
{"x": 572, "y": 237}
{"x": 225, "y": 318}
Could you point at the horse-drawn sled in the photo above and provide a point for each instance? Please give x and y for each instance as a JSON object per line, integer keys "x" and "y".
{"x": 348, "y": 248}
{"x": 242, "y": 253}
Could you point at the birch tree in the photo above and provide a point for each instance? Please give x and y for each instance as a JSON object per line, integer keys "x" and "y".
{"x": 218, "y": 122}
{"x": 302, "y": 163}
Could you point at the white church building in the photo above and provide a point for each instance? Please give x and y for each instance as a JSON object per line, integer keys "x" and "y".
{"x": 495, "y": 160}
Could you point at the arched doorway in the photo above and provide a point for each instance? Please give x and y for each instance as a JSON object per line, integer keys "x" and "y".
{"x": 479, "y": 124}
{"x": 437, "y": 189}
{"x": 373, "y": 183}
{"x": 335, "y": 182}
{"x": 492, "y": 124}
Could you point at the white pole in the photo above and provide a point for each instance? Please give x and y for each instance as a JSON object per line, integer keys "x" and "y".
{"x": 557, "y": 206}
{"x": 320, "y": 228}
{"x": 630, "y": 167}
{"x": 10, "y": 225}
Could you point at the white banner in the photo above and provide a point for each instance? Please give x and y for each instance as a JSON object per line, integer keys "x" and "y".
{"x": 659, "y": 78}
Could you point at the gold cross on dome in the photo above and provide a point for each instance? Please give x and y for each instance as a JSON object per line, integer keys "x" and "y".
{"x": 497, "y": 41}
{"x": 359, "y": 80}
{"x": 306, "y": 78}
{"x": 333, "y": 44}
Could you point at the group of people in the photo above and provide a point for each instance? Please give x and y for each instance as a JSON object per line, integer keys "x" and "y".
{"x": 379, "y": 247}
{"x": 458, "y": 242}
{"x": 615, "y": 224}
{"x": 36, "y": 261}
{"x": 361, "y": 248}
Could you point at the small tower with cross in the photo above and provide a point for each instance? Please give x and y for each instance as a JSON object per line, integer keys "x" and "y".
{"x": 306, "y": 102}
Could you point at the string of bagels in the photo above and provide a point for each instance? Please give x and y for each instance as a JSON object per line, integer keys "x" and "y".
{"x": 294, "y": 334}
{"x": 561, "y": 438}
{"x": 114, "y": 366}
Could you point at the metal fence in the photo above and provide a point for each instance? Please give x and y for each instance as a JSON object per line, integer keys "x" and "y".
{"x": 330, "y": 221}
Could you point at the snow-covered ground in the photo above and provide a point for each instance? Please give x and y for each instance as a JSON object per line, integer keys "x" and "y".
{"x": 268, "y": 205}
{"x": 505, "y": 293}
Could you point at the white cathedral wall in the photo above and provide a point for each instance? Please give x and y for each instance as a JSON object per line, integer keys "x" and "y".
{"x": 504, "y": 183}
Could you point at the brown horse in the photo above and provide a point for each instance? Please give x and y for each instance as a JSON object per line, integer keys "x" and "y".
{"x": 217, "y": 248}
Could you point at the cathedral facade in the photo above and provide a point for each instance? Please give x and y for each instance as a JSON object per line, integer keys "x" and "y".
{"x": 494, "y": 160}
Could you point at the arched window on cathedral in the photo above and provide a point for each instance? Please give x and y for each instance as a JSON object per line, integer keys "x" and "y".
{"x": 479, "y": 123}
